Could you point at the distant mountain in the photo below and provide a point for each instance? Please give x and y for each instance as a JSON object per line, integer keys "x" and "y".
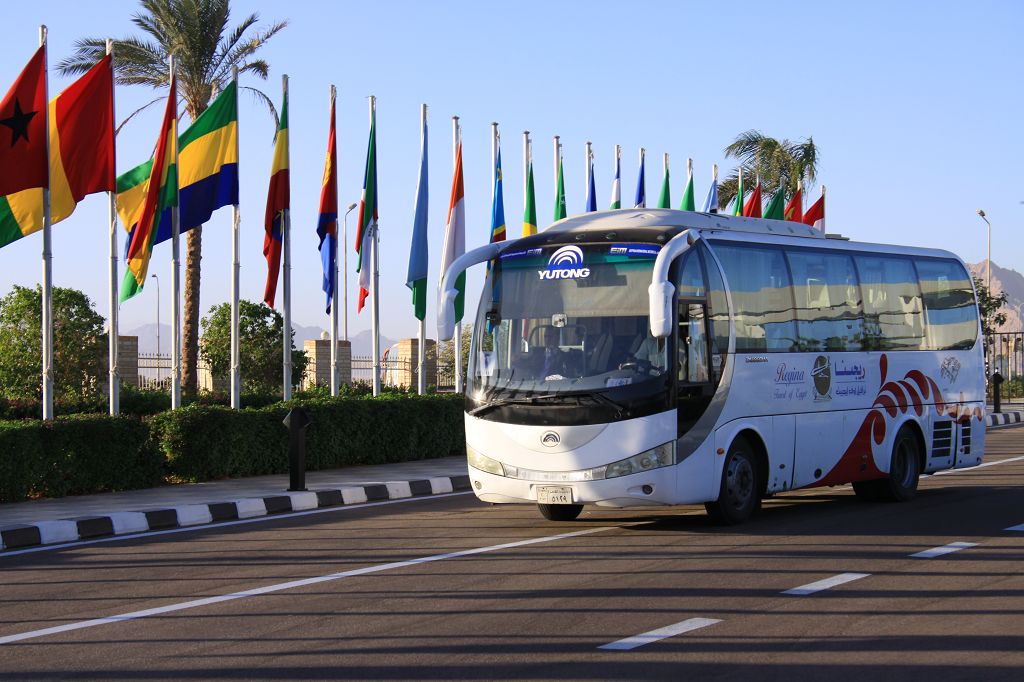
{"x": 1010, "y": 281}
{"x": 362, "y": 343}
{"x": 147, "y": 337}
{"x": 305, "y": 334}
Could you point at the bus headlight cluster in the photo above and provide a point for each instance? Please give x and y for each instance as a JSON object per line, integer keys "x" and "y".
{"x": 661, "y": 456}
{"x": 655, "y": 458}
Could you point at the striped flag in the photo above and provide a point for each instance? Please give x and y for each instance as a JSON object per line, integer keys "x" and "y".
{"x": 617, "y": 183}
{"x": 416, "y": 279}
{"x": 23, "y": 117}
{"x": 367, "y": 216}
{"x": 498, "y": 205}
{"x": 530, "y": 210}
{"x": 161, "y": 194}
{"x": 689, "y": 203}
{"x": 81, "y": 154}
{"x": 278, "y": 201}
{"x": 327, "y": 223}
{"x": 815, "y": 215}
{"x": 641, "y": 186}
{"x": 455, "y": 234}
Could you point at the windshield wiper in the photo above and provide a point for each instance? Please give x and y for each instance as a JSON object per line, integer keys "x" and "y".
{"x": 602, "y": 398}
{"x": 532, "y": 400}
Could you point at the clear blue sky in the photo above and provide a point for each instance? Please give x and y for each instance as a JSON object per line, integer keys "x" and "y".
{"x": 911, "y": 103}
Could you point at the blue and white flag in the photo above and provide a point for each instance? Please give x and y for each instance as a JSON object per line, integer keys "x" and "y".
{"x": 711, "y": 203}
{"x": 641, "y": 188}
{"x": 417, "y": 277}
{"x": 616, "y": 184}
{"x": 591, "y": 192}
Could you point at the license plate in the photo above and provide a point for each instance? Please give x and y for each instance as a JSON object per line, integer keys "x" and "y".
{"x": 554, "y": 494}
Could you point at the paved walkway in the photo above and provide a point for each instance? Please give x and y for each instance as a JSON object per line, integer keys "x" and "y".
{"x": 171, "y": 496}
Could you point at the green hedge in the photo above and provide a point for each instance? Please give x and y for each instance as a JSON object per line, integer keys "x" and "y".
{"x": 93, "y": 453}
{"x": 76, "y": 455}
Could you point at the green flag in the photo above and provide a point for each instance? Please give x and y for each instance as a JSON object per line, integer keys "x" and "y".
{"x": 738, "y": 208}
{"x": 688, "y": 203}
{"x": 665, "y": 198}
{"x": 775, "y": 208}
{"x": 560, "y": 196}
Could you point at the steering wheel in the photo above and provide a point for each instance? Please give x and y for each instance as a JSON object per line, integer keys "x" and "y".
{"x": 637, "y": 365}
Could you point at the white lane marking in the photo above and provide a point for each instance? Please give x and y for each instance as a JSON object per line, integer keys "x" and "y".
{"x": 661, "y": 633}
{"x": 222, "y": 524}
{"x": 818, "y": 586}
{"x": 1019, "y": 528}
{"x": 291, "y": 584}
{"x": 945, "y": 549}
{"x": 945, "y": 472}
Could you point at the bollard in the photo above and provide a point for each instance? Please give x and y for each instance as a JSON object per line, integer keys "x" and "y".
{"x": 297, "y": 420}
{"x": 997, "y": 398}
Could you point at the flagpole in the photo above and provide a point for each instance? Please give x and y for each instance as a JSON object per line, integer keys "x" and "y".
{"x": 113, "y": 373}
{"x": 587, "y": 151}
{"x": 557, "y": 147}
{"x": 642, "y": 180}
{"x": 175, "y": 277}
{"x": 458, "y": 325}
{"x": 333, "y": 93}
{"x": 374, "y": 288}
{"x": 421, "y": 350}
{"x": 286, "y": 266}
{"x": 526, "y": 166}
{"x": 47, "y": 304}
{"x": 494, "y": 156}
{"x": 236, "y": 224}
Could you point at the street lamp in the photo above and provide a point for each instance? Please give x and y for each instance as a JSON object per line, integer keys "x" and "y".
{"x": 988, "y": 265}
{"x": 344, "y": 261}
{"x": 157, "y": 327}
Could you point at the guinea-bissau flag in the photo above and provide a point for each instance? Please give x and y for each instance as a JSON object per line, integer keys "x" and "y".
{"x": 207, "y": 169}
{"x": 367, "y": 217}
{"x": 327, "y": 222}
{"x": 161, "y": 194}
{"x": 278, "y": 201}
{"x": 81, "y": 121}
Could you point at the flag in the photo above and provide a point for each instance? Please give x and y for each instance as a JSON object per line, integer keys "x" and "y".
{"x": 591, "y": 191}
{"x": 688, "y": 203}
{"x": 665, "y": 198}
{"x": 752, "y": 209}
{"x": 737, "y": 207}
{"x": 81, "y": 154}
{"x": 815, "y": 215}
{"x": 278, "y": 201}
{"x": 617, "y": 185}
{"x": 455, "y": 234}
{"x": 207, "y": 164}
{"x": 498, "y": 205}
{"x": 327, "y": 224}
{"x": 774, "y": 210}
{"x": 23, "y": 117}
{"x": 711, "y": 202}
{"x": 367, "y": 216}
{"x": 560, "y": 194}
{"x": 795, "y": 207}
{"x": 530, "y": 210}
{"x": 641, "y": 189}
{"x": 416, "y": 279}
{"x": 161, "y": 194}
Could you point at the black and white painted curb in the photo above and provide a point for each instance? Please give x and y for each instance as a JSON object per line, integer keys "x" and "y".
{"x": 128, "y": 523}
{"x": 1001, "y": 418}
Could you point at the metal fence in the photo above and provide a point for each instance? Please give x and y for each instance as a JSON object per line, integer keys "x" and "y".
{"x": 1004, "y": 353}
{"x": 155, "y": 373}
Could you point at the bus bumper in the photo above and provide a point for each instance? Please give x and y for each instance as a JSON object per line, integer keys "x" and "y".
{"x": 643, "y": 489}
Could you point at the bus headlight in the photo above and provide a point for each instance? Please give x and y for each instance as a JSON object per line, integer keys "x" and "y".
{"x": 661, "y": 456}
{"x": 478, "y": 461}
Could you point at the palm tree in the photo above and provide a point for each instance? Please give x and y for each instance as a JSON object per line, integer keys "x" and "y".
{"x": 196, "y": 32}
{"x": 779, "y": 163}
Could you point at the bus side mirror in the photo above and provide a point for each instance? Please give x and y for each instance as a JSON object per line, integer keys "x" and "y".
{"x": 660, "y": 295}
{"x": 446, "y": 315}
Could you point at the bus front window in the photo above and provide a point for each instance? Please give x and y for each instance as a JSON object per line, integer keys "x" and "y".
{"x": 570, "y": 319}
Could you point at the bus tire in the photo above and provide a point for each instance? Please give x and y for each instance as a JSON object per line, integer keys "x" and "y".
{"x": 904, "y": 468}
{"x": 560, "y": 512}
{"x": 739, "y": 496}
{"x": 867, "y": 490}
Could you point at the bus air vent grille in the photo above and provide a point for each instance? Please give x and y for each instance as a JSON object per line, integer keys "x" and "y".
{"x": 965, "y": 438}
{"x": 942, "y": 439}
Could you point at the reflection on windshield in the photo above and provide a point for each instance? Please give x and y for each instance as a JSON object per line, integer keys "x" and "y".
{"x": 581, "y": 331}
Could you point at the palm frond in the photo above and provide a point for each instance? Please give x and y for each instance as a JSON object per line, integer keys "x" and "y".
{"x": 260, "y": 96}
{"x": 136, "y": 112}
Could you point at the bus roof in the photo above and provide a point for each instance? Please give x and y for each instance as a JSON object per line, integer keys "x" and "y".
{"x": 666, "y": 219}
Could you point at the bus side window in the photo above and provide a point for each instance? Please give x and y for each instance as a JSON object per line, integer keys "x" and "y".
{"x": 828, "y": 308}
{"x": 949, "y": 304}
{"x": 893, "y": 312}
{"x": 762, "y": 296}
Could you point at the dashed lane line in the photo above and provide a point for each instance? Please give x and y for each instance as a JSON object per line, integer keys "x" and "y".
{"x": 818, "y": 586}
{"x": 943, "y": 550}
{"x": 679, "y": 628}
{"x": 1019, "y": 528}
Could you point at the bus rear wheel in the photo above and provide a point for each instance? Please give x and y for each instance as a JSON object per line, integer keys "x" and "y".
{"x": 904, "y": 469}
{"x": 560, "y": 512}
{"x": 739, "y": 495}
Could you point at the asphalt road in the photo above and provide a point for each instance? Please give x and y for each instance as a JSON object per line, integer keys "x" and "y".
{"x": 819, "y": 586}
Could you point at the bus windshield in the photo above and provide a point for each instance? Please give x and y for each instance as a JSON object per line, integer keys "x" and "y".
{"x": 566, "y": 319}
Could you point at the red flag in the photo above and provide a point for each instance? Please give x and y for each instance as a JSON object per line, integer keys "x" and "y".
{"x": 795, "y": 208}
{"x": 815, "y": 215}
{"x": 278, "y": 201}
{"x": 23, "y": 162}
{"x": 752, "y": 209}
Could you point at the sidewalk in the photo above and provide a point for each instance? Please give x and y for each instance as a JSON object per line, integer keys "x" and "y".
{"x": 67, "y": 519}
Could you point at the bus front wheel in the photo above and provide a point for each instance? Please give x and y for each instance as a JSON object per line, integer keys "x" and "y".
{"x": 740, "y": 493}
{"x": 560, "y": 512}
{"x": 904, "y": 469}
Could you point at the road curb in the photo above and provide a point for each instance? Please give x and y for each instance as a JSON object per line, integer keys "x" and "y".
{"x": 1002, "y": 418}
{"x": 130, "y": 523}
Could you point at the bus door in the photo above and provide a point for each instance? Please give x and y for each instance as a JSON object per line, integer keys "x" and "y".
{"x": 695, "y": 382}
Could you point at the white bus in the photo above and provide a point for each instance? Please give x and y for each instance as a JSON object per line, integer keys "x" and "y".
{"x": 656, "y": 357}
